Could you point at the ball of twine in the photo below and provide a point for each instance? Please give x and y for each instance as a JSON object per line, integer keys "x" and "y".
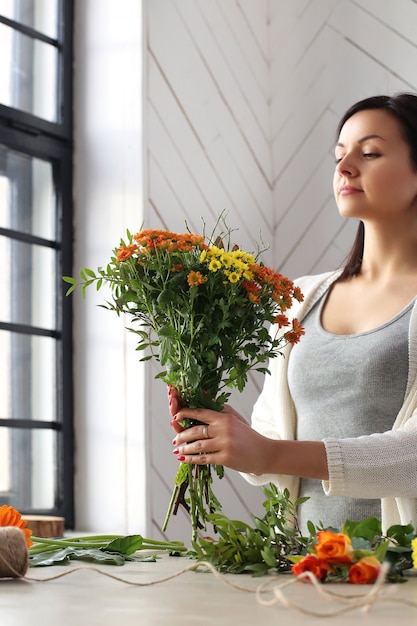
{"x": 14, "y": 554}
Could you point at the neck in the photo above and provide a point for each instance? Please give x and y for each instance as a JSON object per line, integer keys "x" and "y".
{"x": 389, "y": 252}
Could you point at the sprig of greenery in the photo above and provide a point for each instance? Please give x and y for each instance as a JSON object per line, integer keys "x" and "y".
{"x": 258, "y": 549}
{"x": 101, "y": 549}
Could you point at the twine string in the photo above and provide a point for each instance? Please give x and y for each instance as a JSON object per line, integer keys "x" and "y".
{"x": 14, "y": 558}
{"x": 352, "y": 602}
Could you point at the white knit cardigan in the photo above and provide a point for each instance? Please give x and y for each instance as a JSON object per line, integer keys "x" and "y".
{"x": 382, "y": 465}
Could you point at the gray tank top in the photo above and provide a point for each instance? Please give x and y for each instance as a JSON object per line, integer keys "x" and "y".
{"x": 346, "y": 386}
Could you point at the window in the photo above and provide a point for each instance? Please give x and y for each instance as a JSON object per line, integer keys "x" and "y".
{"x": 36, "y": 441}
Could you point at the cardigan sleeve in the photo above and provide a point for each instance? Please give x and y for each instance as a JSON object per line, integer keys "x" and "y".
{"x": 381, "y": 465}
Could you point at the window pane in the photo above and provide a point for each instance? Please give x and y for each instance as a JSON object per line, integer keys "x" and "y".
{"x": 28, "y": 80}
{"x": 28, "y": 375}
{"x": 42, "y": 15}
{"x": 27, "y": 194}
{"x": 29, "y": 458}
{"x": 27, "y": 280}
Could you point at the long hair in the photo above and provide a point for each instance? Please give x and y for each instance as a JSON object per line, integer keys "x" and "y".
{"x": 403, "y": 107}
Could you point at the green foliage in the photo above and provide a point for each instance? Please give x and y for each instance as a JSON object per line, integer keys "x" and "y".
{"x": 100, "y": 549}
{"x": 265, "y": 546}
{"x": 274, "y": 542}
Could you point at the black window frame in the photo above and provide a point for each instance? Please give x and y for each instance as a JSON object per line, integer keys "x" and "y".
{"x": 53, "y": 142}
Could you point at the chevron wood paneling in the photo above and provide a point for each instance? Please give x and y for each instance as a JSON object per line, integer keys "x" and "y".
{"x": 242, "y": 99}
{"x": 325, "y": 56}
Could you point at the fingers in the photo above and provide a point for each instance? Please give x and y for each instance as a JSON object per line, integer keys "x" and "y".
{"x": 176, "y": 426}
{"x": 198, "y": 459}
{"x": 200, "y": 452}
{"x": 174, "y": 400}
{"x": 196, "y": 434}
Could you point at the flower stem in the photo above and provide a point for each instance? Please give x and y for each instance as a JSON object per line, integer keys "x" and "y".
{"x": 170, "y": 507}
{"x": 101, "y": 541}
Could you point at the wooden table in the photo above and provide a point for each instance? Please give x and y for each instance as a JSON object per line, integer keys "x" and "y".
{"x": 87, "y": 598}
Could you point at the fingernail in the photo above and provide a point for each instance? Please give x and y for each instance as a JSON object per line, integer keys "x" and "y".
{"x": 175, "y": 451}
{"x": 181, "y": 458}
{"x": 174, "y": 442}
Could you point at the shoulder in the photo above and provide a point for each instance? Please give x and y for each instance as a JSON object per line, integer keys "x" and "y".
{"x": 313, "y": 287}
{"x": 310, "y": 283}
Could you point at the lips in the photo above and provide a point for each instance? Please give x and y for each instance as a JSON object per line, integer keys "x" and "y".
{"x": 346, "y": 190}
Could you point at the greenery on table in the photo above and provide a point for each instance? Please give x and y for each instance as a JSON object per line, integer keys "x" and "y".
{"x": 98, "y": 549}
{"x": 274, "y": 541}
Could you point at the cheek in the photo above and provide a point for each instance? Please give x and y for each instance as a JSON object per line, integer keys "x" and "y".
{"x": 336, "y": 179}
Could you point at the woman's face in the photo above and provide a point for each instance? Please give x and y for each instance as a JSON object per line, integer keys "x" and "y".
{"x": 374, "y": 177}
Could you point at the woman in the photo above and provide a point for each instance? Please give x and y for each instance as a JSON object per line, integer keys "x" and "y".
{"x": 338, "y": 415}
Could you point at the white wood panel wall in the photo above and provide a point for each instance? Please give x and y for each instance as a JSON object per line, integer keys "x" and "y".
{"x": 242, "y": 98}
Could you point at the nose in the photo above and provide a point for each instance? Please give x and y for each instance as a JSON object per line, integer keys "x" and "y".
{"x": 346, "y": 166}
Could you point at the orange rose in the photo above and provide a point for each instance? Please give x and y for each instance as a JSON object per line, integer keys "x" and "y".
{"x": 334, "y": 547}
{"x": 364, "y": 571}
{"x": 310, "y": 563}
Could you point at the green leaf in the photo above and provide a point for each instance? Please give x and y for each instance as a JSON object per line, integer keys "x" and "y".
{"x": 401, "y": 534}
{"x": 70, "y": 290}
{"x": 165, "y": 298}
{"x": 268, "y": 556}
{"x": 368, "y": 528}
{"x": 182, "y": 474}
{"x": 97, "y": 555}
{"x": 50, "y": 557}
{"x": 125, "y": 545}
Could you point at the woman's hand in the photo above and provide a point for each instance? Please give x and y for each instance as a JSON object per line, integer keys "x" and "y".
{"x": 221, "y": 439}
{"x": 227, "y": 439}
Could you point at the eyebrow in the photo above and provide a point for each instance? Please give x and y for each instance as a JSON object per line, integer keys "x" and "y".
{"x": 339, "y": 143}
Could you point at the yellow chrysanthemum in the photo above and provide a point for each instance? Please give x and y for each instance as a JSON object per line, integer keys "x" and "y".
{"x": 203, "y": 256}
{"x": 414, "y": 548}
{"x": 226, "y": 260}
{"x": 233, "y": 276}
{"x": 11, "y": 517}
{"x": 214, "y": 265}
{"x": 215, "y": 251}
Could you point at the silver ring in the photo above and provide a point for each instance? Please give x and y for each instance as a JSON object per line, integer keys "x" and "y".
{"x": 205, "y": 432}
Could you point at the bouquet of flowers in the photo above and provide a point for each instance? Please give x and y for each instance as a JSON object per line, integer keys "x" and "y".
{"x": 203, "y": 310}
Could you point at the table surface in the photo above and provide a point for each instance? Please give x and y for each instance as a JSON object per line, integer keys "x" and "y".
{"x": 86, "y": 597}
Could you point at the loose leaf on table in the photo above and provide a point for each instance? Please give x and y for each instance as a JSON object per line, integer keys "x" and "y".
{"x": 92, "y": 555}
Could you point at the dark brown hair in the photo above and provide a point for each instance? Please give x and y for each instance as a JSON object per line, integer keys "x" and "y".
{"x": 403, "y": 107}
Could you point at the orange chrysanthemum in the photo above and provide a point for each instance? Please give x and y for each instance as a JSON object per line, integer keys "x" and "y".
{"x": 195, "y": 278}
{"x": 9, "y": 516}
{"x": 281, "y": 320}
{"x": 125, "y": 252}
{"x": 293, "y": 336}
